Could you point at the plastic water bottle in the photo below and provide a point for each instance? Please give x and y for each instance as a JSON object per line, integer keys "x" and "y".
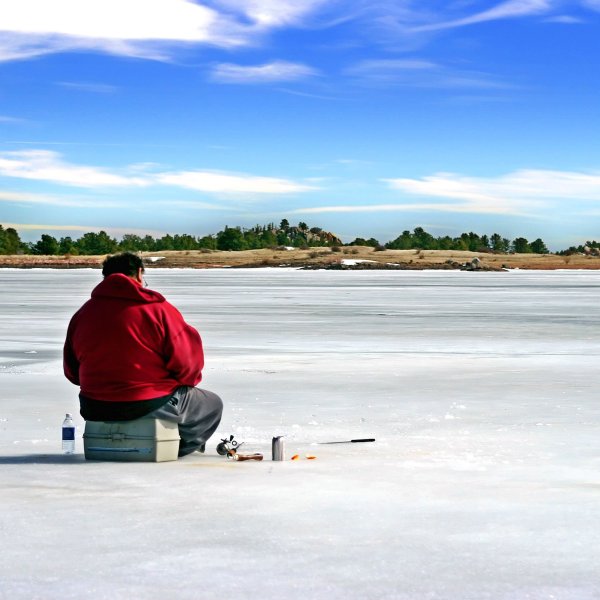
{"x": 68, "y": 435}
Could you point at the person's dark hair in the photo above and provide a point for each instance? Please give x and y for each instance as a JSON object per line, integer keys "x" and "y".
{"x": 126, "y": 263}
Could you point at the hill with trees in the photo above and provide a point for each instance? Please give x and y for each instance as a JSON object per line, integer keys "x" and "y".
{"x": 269, "y": 236}
{"x": 230, "y": 238}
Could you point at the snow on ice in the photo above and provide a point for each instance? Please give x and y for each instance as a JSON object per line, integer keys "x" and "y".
{"x": 480, "y": 388}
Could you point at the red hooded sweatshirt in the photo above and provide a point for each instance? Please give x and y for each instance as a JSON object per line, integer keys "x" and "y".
{"x": 128, "y": 343}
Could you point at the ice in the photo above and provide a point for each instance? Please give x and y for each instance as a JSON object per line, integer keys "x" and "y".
{"x": 484, "y": 482}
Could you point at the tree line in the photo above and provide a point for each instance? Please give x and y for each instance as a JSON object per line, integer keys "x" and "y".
{"x": 230, "y": 238}
{"x": 422, "y": 240}
{"x": 266, "y": 236}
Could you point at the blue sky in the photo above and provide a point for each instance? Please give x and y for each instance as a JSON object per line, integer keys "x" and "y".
{"x": 364, "y": 117}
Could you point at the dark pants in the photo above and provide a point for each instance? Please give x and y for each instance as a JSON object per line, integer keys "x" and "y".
{"x": 197, "y": 413}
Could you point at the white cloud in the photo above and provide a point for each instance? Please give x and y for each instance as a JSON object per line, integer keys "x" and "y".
{"x": 46, "y": 165}
{"x": 10, "y": 197}
{"x": 139, "y": 28}
{"x": 109, "y": 19}
{"x": 25, "y": 198}
{"x": 158, "y": 29}
{"x": 522, "y": 193}
{"x": 509, "y": 9}
{"x": 113, "y": 231}
{"x": 272, "y": 13}
{"x": 414, "y": 207}
{"x": 518, "y": 193}
{"x": 151, "y": 29}
{"x": 223, "y": 183}
{"x": 34, "y": 227}
{"x": 419, "y": 73}
{"x": 520, "y": 186}
{"x": 275, "y": 71}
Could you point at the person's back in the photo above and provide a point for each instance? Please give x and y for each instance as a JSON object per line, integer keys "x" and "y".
{"x": 133, "y": 354}
{"x": 131, "y": 344}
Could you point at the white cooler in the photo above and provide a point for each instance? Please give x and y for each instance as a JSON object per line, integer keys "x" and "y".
{"x": 142, "y": 440}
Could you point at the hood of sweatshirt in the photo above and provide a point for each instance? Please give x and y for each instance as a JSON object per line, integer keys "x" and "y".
{"x": 123, "y": 287}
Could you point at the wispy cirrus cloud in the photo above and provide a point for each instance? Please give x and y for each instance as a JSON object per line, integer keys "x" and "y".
{"x": 161, "y": 29}
{"x": 565, "y": 19}
{"x": 24, "y": 198}
{"x": 521, "y": 186}
{"x": 52, "y": 200}
{"x": 510, "y": 9}
{"x": 37, "y": 226}
{"x": 386, "y": 68}
{"x": 420, "y": 73}
{"x": 276, "y": 71}
{"x": 525, "y": 192}
{"x": 225, "y": 183}
{"x": 410, "y": 24}
{"x": 52, "y": 227}
{"x": 377, "y": 208}
{"x": 83, "y": 86}
{"x": 47, "y": 165}
{"x": 271, "y": 13}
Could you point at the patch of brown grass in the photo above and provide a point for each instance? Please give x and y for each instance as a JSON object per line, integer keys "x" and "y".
{"x": 200, "y": 259}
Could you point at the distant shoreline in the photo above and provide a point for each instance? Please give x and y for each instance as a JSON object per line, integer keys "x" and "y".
{"x": 344, "y": 258}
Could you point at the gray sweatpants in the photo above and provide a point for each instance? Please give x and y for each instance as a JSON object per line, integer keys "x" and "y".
{"x": 197, "y": 413}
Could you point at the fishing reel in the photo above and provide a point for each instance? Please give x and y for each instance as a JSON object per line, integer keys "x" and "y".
{"x": 228, "y": 447}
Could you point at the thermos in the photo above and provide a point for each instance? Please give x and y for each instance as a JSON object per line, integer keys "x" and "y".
{"x": 278, "y": 448}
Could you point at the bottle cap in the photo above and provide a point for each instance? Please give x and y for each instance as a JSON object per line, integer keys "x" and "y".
{"x": 68, "y": 416}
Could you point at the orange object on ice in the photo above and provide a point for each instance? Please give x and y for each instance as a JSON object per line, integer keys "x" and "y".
{"x": 310, "y": 457}
{"x": 295, "y": 457}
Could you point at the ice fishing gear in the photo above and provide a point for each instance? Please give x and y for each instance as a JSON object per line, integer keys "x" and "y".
{"x": 241, "y": 457}
{"x": 350, "y": 441}
{"x": 228, "y": 445}
{"x": 278, "y": 448}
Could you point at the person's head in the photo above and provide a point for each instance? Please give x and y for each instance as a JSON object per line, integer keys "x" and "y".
{"x": 126, "y": 263}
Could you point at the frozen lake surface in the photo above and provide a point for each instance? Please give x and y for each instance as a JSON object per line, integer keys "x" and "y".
{"x": 484, "y": 482}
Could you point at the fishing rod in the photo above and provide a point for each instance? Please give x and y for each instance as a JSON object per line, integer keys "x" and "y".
{"x": 348, "y": 441}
